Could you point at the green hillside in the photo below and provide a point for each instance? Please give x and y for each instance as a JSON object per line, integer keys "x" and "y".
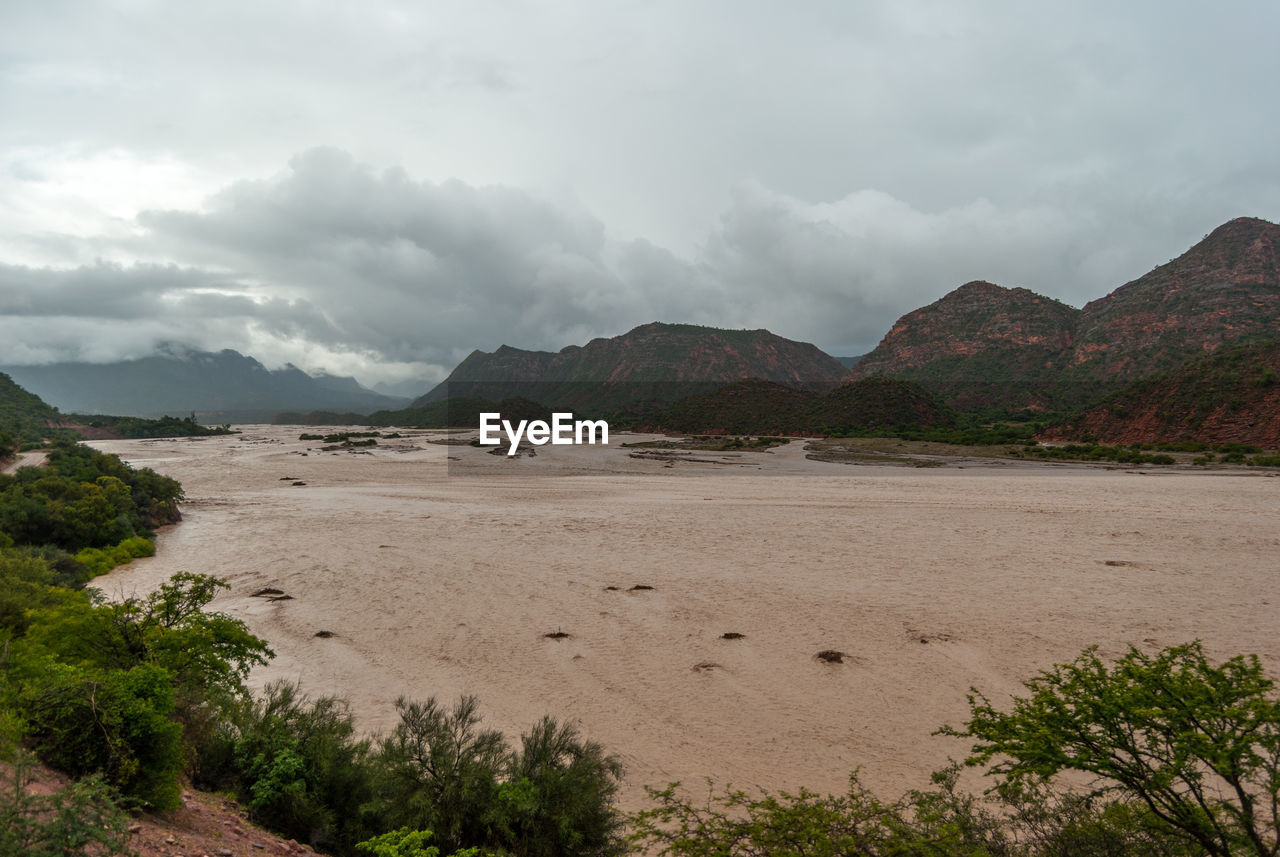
{"x": 1229, "y": 396}
{"x": 24, "y": 417}
{"x": 759, "y": 407}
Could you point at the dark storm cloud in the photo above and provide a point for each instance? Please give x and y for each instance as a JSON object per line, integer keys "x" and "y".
{"x": 332, "y": 257}
{"x": 414, "y": 270}
{"x": 541, "y": 173}
{"x": 111, "y": 311}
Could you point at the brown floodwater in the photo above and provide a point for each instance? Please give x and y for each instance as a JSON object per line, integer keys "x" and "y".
{"x": 446, "y": 580}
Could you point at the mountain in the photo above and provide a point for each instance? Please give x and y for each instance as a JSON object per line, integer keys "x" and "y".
{"x": 984, "y": 346}
{"x": 759, "y": 407}
{"x": 1231, "y": 395}
{"x": 1224, "y": 288}
{"x": 980, "y": 346}
{"x": 503, "y": 372}
{"x": 652, "y": 363}
{"x": 222, "y": 387}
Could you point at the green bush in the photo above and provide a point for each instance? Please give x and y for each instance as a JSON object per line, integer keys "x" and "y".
{"x": 204, "y": 653}
{"x": 556, "y": 798}
{"x": 117, "y": 723}
{"x": 735, "y": 823}
{"x": 98, "y": 561}
{"x": 1233, "y": 448}
{"x": 408, "y": 843}
{"x": 82, "y": 498}
{"x": 26, "y": 581}
{"x": 298, "y": 765}
{"x": 552, "y": 796}
{"x": 106, "y": 687}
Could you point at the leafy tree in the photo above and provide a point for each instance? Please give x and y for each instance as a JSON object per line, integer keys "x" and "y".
{"x": 26, "y": 582}
{"x": 296, "y": 762}
{"x": 82, "y": 499}
{"x": 1195, "y": 745}
{"x": 442, "y": 770}
{"x": 76, "y": 514}
{"x": 557, "y": 799}
{"x": 1046, "y": 822}
{"x": 204, "y": 652}
{"x": 108, "y": 687}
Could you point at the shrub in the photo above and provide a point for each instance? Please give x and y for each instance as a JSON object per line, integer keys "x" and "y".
{"x": 298, "y": 765}
{"x": 408, "y": 843}
{"x": 557, "y": 795}
{"x": 25, "y": 583}
{"x": 442, "y": 770}
{"x": 83, "y": 818}
{"x": 734, "y": 823}
{"x": 1195, "y": 745}
{"x": 115, "y": 722}
{"x": 98, "y": 561}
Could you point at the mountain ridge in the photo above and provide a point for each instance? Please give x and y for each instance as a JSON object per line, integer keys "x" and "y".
{"x": 223, "y": 386}
{"x": 643, "y": 363}
{"x": 1225, "y": 287}
{"x": 983, "y": 345}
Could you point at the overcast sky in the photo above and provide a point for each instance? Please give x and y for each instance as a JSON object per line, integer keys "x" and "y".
{"x": 377, "y": 188}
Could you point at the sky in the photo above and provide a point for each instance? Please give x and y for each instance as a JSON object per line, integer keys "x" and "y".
{"x": 378, "y": 188}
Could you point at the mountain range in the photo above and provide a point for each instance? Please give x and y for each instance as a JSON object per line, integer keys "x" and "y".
{"x": 218, "y": 387}
{"x": 981, "y": 349}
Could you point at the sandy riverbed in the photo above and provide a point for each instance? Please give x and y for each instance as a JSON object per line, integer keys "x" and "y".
{"x": 444, "y": 581}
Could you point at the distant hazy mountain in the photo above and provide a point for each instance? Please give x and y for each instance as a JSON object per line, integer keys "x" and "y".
{"x": 654, "y": 361}
{"x": 222, "y": 387}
